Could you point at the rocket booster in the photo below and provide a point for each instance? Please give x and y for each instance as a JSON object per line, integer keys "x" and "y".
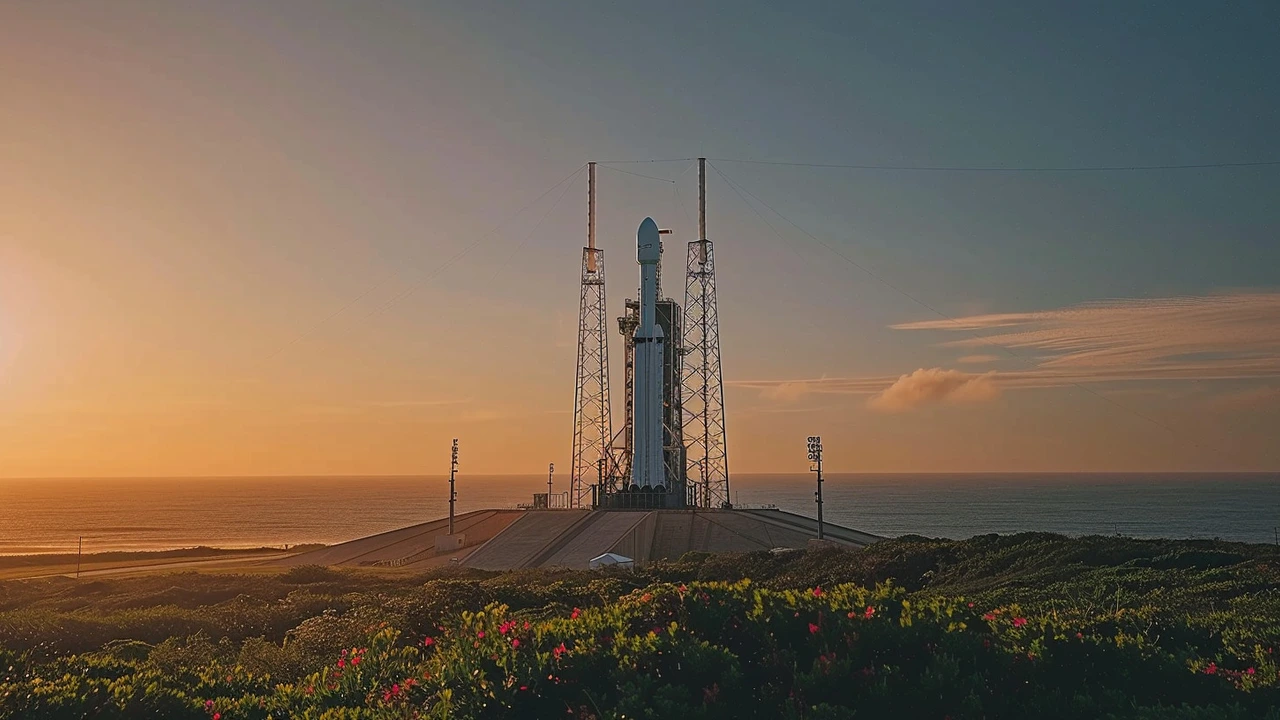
{"x": 647, "y": 467}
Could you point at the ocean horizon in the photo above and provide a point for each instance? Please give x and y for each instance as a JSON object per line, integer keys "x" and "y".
{"x": 49, "y": 515}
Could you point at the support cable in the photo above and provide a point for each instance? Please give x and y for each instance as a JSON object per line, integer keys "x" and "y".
{"x": 983, "y": 340}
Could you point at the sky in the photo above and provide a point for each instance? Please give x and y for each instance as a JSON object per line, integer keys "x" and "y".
{"x": 293, "y": 238}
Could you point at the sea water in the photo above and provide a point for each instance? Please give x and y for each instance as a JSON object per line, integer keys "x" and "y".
{"x": 49, "y": 515}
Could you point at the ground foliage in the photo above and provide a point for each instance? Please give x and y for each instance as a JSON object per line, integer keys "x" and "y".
{"x": 1022, "y": 626}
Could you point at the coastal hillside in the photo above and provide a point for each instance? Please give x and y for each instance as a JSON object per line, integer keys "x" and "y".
{"x": 1020, "y": 626}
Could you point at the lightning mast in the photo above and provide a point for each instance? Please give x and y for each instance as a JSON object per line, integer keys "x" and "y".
{"x": 704, "y": 420}
{"x": 592, "y": 426}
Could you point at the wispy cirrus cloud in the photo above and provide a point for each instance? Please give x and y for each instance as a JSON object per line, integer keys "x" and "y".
{"x": 1226, "y": 336}
{"x": 977, "y": 359}
{"x": 1233, "y": 336}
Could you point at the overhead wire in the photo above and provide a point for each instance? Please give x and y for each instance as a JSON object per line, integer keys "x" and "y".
{"x": 998, "y": 169}
{"x": 981, "y": 339}
{"x": 641, "y": 175}
{"x": 439, "y": 269}
{"x": 538, "y": 224}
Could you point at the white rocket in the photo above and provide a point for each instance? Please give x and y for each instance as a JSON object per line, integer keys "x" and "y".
{"x": 647, "y": 468}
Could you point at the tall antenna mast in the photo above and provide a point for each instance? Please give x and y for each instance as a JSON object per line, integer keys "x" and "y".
{"x": 453, "y": 474}
{"x": 592, "y": 425}
{"x": 704, "y": 417}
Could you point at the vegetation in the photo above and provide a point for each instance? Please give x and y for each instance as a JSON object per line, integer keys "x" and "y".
{"x": 1024, "y": 626}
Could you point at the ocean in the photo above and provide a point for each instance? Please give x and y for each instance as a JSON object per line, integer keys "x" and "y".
{"x": 48, "y": 515}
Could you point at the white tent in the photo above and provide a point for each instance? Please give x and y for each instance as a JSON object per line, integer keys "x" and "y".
{"x": 611, "y": 559}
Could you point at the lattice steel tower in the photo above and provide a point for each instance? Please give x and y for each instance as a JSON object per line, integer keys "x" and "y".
{"x": 704, "y": 422}
{"x": 592, "y": 426}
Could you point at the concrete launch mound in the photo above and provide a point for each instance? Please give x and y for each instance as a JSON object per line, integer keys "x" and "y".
{"x": 513, "y": 539}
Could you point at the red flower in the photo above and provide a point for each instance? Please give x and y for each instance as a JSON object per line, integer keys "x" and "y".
{"x": 812, "y": 628}
{"x": 646, "y": 597}
{"x": 574, "y": 615}
{"x": 1019, "y": 621}
{"x": 342, "y": 663}
{"x": 817, "y": 592}
{"x": 870, "y": 611}
{"x": 515, "y": 643}
{"x": 1211, "y": 668}
{"x": 428, "y": 641}
{"x": 217, "y": 716}
{"x": 523, "y": 688}
{"x": 682, "y": 588}
{"x": 970, "y": 605}
{"x": 988, "y": 617}
{"x": 480, "y": 634}
{"x": 506, "y": 627}
{"x": 355, "y": 661}
{"x": 208, "y": 704}
{"x": 1249, "y": 671}
{"x": 558, "y": 651}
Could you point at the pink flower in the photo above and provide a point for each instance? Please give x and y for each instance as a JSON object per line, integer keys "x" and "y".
{"x": 523, "y": 688}
{"x": 817, "y": 592}
{"x": 480, "y": 634}
{"x": 1019, "y": 621}
{"x": 515, "y": 643}
{"x": 812, "y": 628}
{"x": 395, "y": 689}
{"x": 208, "y": 704}
{"x": 970, "y": 604}
{"x": 217, "y": 716}
{"x": 574, "y": 615}
{"x": 870, "y": 611}
{"x": 1249, "y": 671}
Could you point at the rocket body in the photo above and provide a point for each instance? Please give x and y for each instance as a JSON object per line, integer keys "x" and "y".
{"x": 647, "y": 468}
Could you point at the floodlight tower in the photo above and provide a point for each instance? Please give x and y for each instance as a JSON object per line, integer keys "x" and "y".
{"x": 592, "y": 426}
{"x": 704, "y": 421}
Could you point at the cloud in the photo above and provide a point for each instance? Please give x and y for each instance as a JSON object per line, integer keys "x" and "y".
{"x": 932, "y": 386}
{"x": 1232, "y": 336}
{"x": 1213, "y": 337}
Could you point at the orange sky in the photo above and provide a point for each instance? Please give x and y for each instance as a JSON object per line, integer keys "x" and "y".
{"x": 221, "y": 234}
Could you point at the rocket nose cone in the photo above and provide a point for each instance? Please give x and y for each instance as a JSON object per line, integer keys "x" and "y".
{"x": 648, "y": 246}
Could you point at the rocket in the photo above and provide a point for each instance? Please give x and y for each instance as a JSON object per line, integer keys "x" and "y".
{"x": 647, "y": 468}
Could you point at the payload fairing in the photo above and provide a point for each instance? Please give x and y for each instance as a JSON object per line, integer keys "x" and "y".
{"x": 648, "y": 472}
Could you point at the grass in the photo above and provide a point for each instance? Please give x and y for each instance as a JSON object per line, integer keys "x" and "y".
{"x": 1029, "y": 625}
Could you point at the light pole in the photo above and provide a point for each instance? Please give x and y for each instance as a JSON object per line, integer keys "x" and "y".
{"x": 551, "y": 471}
{"x": 815, "y": 465}
{"x": 453, "y": 472}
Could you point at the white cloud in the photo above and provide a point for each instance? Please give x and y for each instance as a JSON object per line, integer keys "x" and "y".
{"x": 932, "y": 386}
{"x": 1229, "y": 336}
{"x": 1216, "y": 337}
